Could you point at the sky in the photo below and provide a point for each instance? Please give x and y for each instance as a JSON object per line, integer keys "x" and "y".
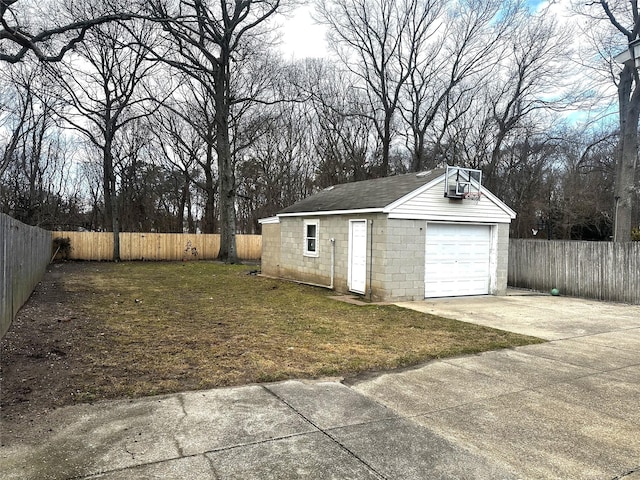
{"x": 302, "y": 37}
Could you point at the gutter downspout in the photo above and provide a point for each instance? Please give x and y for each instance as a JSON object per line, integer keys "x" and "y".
{"x": 333, "y": 261}
{"x": 371, "y": 261}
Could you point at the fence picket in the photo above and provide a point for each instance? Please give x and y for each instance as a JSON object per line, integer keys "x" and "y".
{"x": 599, "y": 270}
{"x": 24, "y": 255}
{"x": 157, "y": 246}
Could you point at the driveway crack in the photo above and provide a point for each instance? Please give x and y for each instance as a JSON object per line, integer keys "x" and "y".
{"x": 328, "y": 435}
{"x": 180, "y": 424}
{"x": 627, "y": 473}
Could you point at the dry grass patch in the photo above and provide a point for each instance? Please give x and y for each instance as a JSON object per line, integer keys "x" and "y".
{"x": 165, "y": 327}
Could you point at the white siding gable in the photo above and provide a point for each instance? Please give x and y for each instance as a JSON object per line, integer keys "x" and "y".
{"x": 429, "y": 203}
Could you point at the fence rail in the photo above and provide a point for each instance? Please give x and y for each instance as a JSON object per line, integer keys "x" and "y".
{"x": 599, "y": 270}
{"x": 157, "y": 246}
{"x": 24, "y": 254}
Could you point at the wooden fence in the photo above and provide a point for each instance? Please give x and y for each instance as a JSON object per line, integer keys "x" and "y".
{"x": 157, "y": 246}
{"x": 598, "y": 270}
{"x": 24, "y": 254}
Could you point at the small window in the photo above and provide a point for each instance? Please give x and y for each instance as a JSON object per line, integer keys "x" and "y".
{"x": 311, "y": 238}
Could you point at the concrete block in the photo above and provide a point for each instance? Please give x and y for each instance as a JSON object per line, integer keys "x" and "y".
{"x": 392, "y": 269}
{"x": 407, "y": 451}
{"x": 573, "y": 441}
{"x": 310, "y": 456}
{"x": 185, "y": 468}
{"x": 517, "y": 367}
{"x": 415, "y": 277}
{"x": 434, "y": 387}
{"x": 225, "y": 411}
{"x": 329, "y": 404}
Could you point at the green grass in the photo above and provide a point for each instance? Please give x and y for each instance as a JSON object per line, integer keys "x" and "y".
{"x": 166, "y": 327}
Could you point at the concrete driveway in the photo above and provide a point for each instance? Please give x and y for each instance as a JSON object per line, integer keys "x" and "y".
{"x": 566, "y": 409}
{"x": 535, "y": 314}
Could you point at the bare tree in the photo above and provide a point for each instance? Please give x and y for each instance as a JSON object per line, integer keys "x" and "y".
{"x": 277, "y": 169}
{"x": 587, "y": 160}
{"x": 517, "y": 101}
{"x": 34, "y": 173}
{"x": 17, "y": 38}
{"x": 622, "y": 21}
{"x": 448, "y": 70}
{"x": 14, "y": 119}
{"x": 190, "y": 124}
{"x": 208, "y": 40}
{"x": 346, "y": 147}
{"x": 181, "y": 145}
{"x": 378, "y": 41}
{"x": 101, "y": 85}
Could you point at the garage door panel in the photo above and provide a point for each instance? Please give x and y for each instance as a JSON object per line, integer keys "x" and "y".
{"x": 457, "y": 260}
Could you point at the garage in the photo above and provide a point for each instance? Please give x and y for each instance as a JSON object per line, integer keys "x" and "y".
{"x": 438, "y": 233}
{"x": 457, "y": 260}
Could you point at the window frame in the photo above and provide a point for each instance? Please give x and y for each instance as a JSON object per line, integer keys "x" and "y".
{"x": 306, "y": 238}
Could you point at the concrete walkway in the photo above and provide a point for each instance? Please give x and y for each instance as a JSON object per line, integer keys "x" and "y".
{"x": 566, "y": 409}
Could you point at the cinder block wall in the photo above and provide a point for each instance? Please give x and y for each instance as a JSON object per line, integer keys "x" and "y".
{"x": 502, "y": 259}
{"x": 403, "y": 272}
{"x": 270, "y": 258}
{"x": 294, "y": 265}
{"x": 395, "y": 255}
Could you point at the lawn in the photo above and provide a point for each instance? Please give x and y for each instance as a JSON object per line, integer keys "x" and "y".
{"x": 134, "y": 329}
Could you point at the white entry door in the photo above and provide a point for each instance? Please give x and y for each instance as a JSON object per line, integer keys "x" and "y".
{"x": 357, "y": 276}
{"x": 458, "y": 260}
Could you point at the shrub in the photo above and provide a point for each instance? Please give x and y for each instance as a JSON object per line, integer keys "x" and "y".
{"x": 635, "y": 234}
{"x": 62, "y": 246}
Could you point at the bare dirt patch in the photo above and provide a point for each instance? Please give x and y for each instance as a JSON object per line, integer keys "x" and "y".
{"x": 94, "y": 331}
{"x": 41, "y": 356}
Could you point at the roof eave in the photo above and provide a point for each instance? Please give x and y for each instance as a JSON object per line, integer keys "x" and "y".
{"x": 331, "y": 212}
{"x": 268, "y": 220}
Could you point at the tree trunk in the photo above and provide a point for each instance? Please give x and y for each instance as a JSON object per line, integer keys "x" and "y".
{"x": 627, "y": 155}
{"x": 112, "y": 220}
{"x": 225, "y": 166}
{"x": 386, "y": 146}
{"x": 208, "y": 225}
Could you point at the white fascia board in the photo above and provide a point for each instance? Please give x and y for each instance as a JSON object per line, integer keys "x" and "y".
{"x": 268, "y": 220}
{"x": 448, "y": 219}
{"x": 413, "y": 194}
{"x": 503, "y": 206}
{"x": 331, "y": 212}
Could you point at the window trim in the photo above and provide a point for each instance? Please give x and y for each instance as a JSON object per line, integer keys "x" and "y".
{"x": 306, "y": 238}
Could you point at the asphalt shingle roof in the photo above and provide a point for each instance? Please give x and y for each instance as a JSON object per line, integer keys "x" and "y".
{"x": 377, "y": 193}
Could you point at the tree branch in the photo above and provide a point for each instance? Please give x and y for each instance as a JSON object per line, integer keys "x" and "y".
{"x": 15, "y": 34}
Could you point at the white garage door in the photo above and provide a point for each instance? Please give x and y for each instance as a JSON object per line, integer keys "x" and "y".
{"x": 457, "y": 260}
